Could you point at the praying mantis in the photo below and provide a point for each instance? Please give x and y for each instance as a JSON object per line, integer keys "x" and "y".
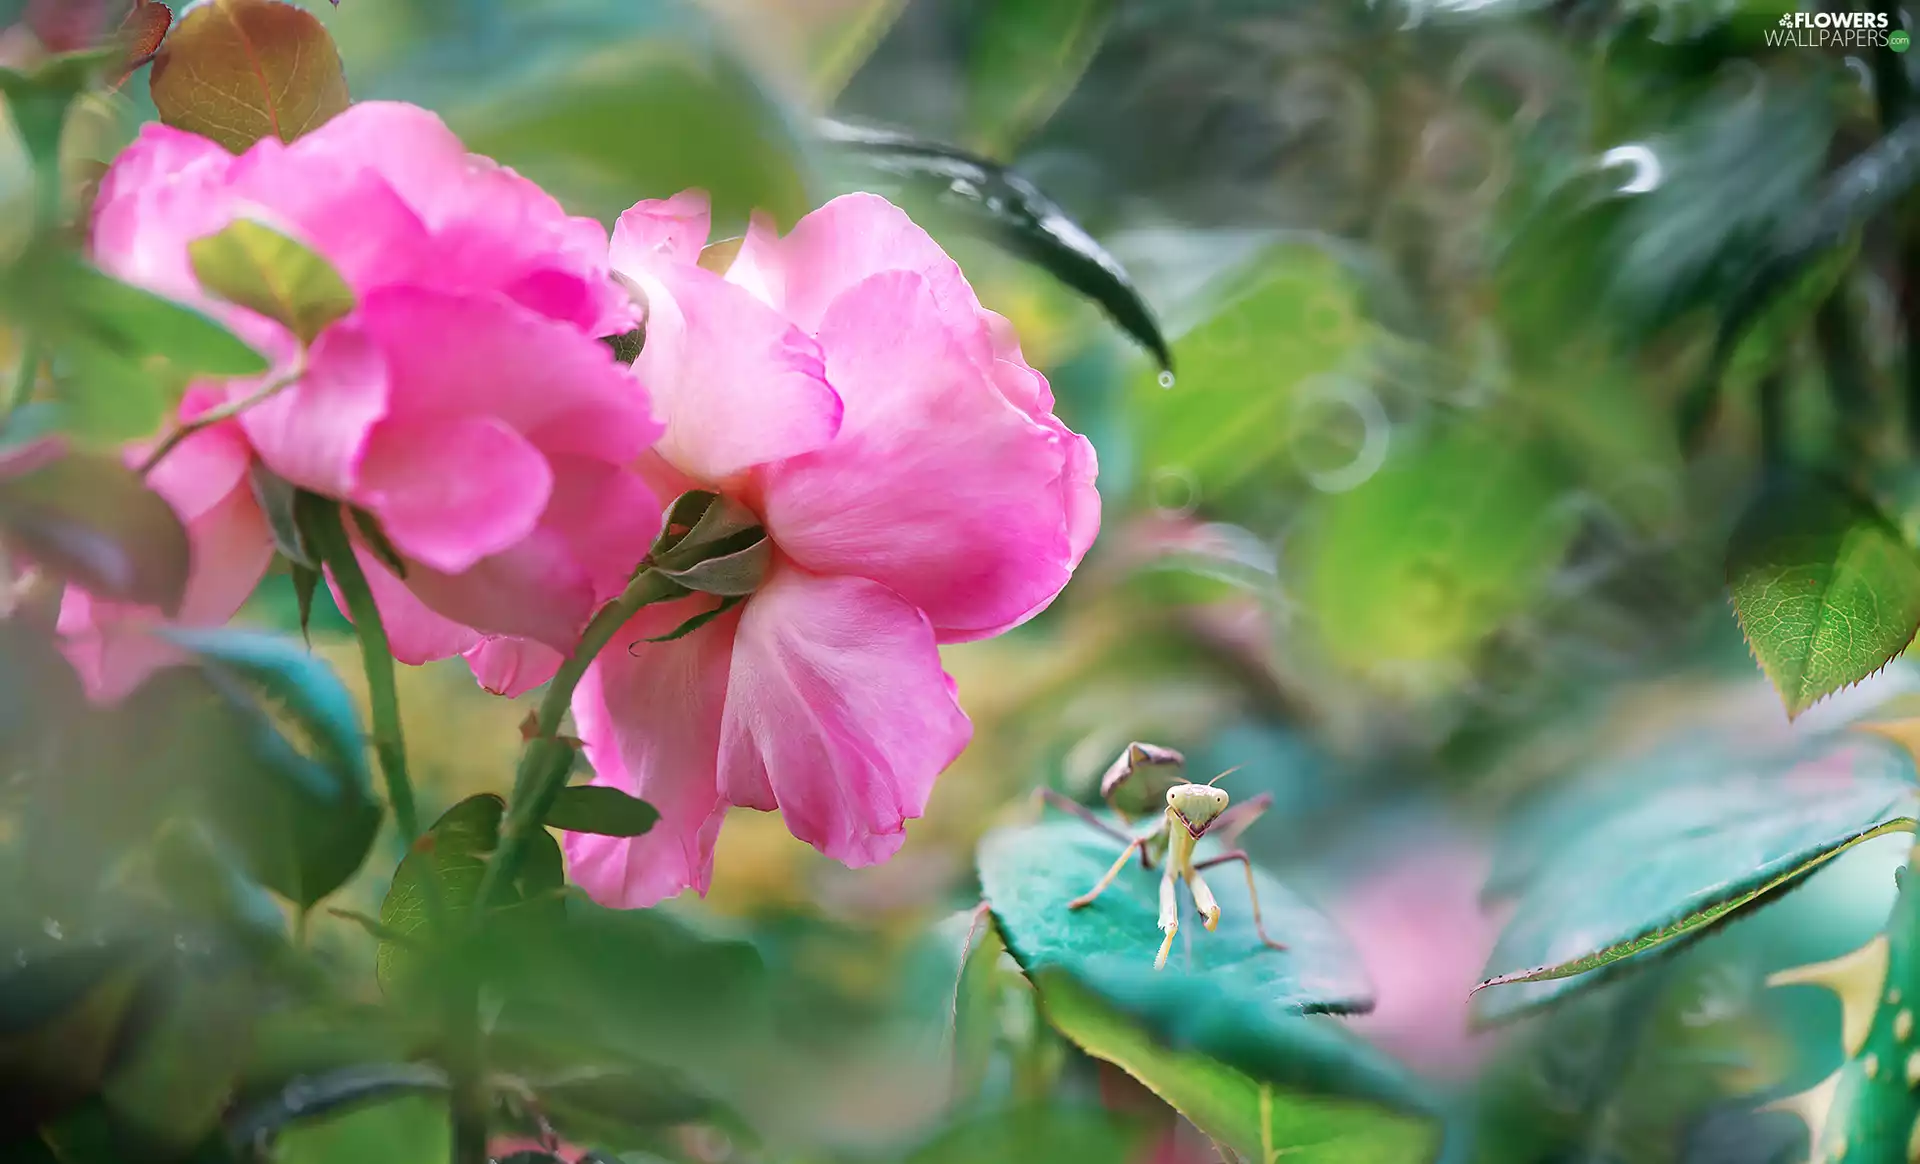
{"x": 1148, "y": 778}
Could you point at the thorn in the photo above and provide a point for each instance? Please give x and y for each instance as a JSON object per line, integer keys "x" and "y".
{"x": 530, "y": 731}
{"x": 1812, "y": 1106}
{"x": 1857, "y": 977}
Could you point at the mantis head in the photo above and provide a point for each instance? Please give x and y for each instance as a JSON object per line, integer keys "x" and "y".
{"x": 1196, "y": 805}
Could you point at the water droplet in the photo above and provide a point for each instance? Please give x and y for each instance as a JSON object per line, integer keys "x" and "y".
{"x": 1644, "y": 171}
{"x": 1175, "y": 492}
{"x": 52, "y": 929}
{"x": 1339, "y": 433}
{"x": 1166, "y": 378}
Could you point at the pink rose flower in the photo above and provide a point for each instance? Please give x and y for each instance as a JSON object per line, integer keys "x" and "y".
{"x": 845, "y": 385}
{"x": 465, "y": 402}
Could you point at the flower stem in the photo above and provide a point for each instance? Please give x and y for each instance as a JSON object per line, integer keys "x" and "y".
{"x": 213, "y": 416}
{"x": 375, "y": 655}
{"x": 26, "y": 377}
{"x": 545, "y": 763}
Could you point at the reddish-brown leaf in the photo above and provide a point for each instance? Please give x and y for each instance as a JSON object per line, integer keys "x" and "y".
{"x": 141, "y": 34}
{"x": 238, "y": 71}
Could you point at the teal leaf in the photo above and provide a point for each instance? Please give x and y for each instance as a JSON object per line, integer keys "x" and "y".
{"x": 91, "y": 520}
{"x": 599, "y": 809}
{"x": 1631, "y": 865}
{"x": 1030, "y": 874}
{"x": 259, "y": 268}
{"x": 1826, "y": 587}
{"x": 301, "y": 810}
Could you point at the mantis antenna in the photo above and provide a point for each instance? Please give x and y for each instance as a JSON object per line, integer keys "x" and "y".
{"x": 1224, "y": 775}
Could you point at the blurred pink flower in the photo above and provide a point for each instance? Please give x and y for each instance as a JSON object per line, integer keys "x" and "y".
{"x": 465, "y": 402}
{"x": 1421, "y": 933}
{"x": 845, "y": 384}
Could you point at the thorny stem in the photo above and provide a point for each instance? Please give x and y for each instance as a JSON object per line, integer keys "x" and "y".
{"x": 545, "y": 764}
{"x": 213, "y": 416}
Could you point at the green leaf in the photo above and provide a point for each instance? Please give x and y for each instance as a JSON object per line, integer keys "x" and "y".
{"x": 1267, "y": 1085}
{"x": 596, "y": 808}
{"x": 238, "y": 71}
{"x": 105, "y": 398}
{"x": 301, "y": 810}
{"x": 1826, "y": 587}
{"x": 413, "y": 1130}
{"x": 1024, "y": 59}
{"x": 1290, "y": 316}
{"x": 977, "y": 993}
{"x": 37, "y": 102}
{"x": 1060, "y": 1135}
{"x": 63, "y": 1015}
{"x": 453, "y": 853}
{"x": 1650, "y": 855}
{"x": 76, "y": 306}
{"x": 1029, "y": 875}
{"x": 1435, "y": 551}
{"x": 175, "y": 1086}
{"x": 263, "y": 270}
{"x": 1010, "y": 211}
{"x": 276, "y": 497}
{"x": 91, "y": 520}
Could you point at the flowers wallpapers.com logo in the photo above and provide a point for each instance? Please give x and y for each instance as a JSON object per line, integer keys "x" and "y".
{"x": 1837, "y": 30}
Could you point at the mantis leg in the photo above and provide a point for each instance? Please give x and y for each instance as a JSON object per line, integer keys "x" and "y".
{"x": 1075, "y": 808}
{"x": 1086, "y": 898}
{"x": 1169, "y": 917}
{"x": 1253, "y": 893}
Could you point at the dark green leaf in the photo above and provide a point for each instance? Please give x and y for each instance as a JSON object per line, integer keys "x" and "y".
{"x": 1058, "y": 1135}
{"x": 62, "y": 1019}
{"x": 276, "y": 497}
{"x": 1651, "y": 858}
{"x": 977, "y": 996}
{"x": 263, "y": 270}
{"x": 1825, "y": 586}
{"x": 1268, "y": 1085}
{"x": 329, "y": 1095}
{"x": 302, "y": 811}
{"x": 1030, "y": 874}
{"x": 174, "y": 1086}
{"x": 375, "y": 540}
{"x": 596, "y": 808}
{"x": 626, "y": 346}
{"x": 77, "y": 306}
{"x": 199, "y": 877}
{"x": 306, "y": 580}
{"x": 998, "y": 203}
{"x": 704, "y": 617}
{"x": 92, "y": 520}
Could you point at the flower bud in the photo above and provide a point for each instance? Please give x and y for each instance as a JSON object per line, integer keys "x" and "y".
{"x": 712, "y": 544}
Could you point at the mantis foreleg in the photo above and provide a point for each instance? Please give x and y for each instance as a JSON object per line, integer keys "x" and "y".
{"x": 1086, "y": 898}
{"x": 1169, "y": 917}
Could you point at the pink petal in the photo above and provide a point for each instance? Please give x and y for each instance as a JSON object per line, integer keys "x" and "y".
{"x": 494, "y": 229}
{"x": 204, "y": 470}
{"x": 937, "y": 487}
{"x": 451, "y": 492}
{"x": 415, "y": 632}
{"x": 555, "y": 386}
{"x": 533, "y": 590}
{"x": 839, "y": 711}
{"x": 738, "y": 385}
{"x": 315, "y": 433}
{"x": 673, "y": 230}
{"x": 606, "y": 515}
{"x": 167, "y": 187}
{"x": 758, "y": 266}
{"x": 512, "y": 667}
{"x": 840, "y": 245}
{"x": 649, "y": 715}
{"x": 348, "y": 213}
